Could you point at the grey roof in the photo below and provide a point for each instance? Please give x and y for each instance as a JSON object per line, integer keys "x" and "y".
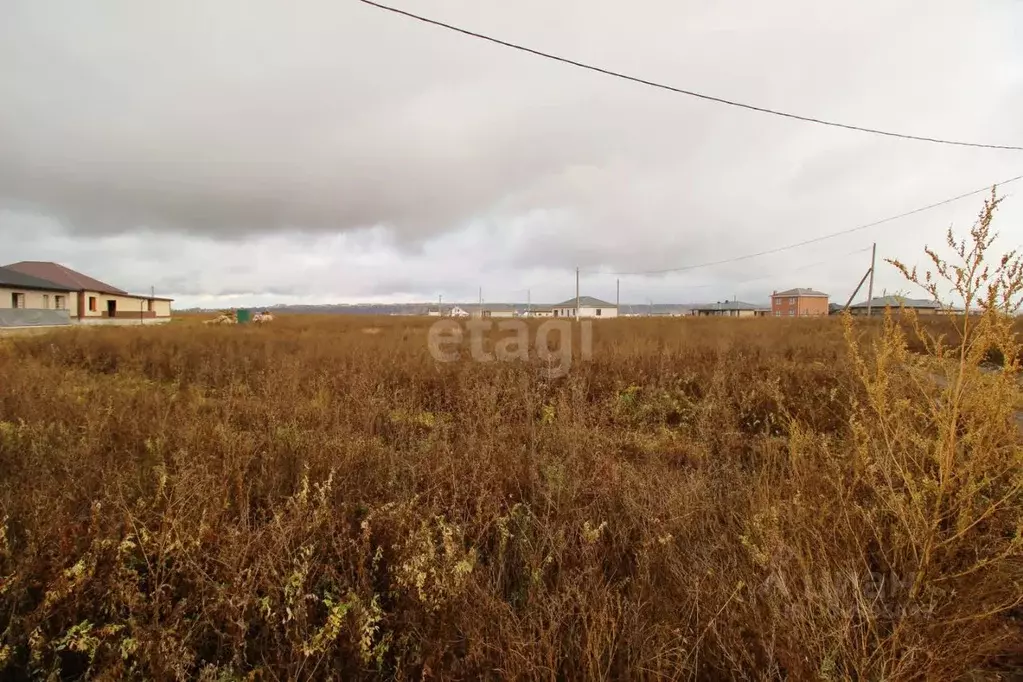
{"x": 800, "y": 291}
{"x": 731, "y": 305}
{"x": 585, "y": 302}
{"x": 19, "y": 280}
{"x": 898, "y": 302}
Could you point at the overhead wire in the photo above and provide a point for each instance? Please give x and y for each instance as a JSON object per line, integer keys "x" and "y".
{"x": 683, "y": 91}
{"x": 801, "y": 268}
{"x": 814, "y": 240}
{"x": 775, "y": 275}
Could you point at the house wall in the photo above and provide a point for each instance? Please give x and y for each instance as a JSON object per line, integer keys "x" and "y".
{"x": 879, "y": 310}
{"x": 586, "y": 312}
{"x": 799, "y": 306}
{"x": 162, "y": 308}
{"x": 127, "y": 307}
{"x": 726, "y": 313}
{"x": 34, "y": 300}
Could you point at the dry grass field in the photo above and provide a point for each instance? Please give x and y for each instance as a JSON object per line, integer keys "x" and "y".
{"x": 701, "y": 499}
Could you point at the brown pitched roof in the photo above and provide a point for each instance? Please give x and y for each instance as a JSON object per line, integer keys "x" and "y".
{"x": 64, "y": 277}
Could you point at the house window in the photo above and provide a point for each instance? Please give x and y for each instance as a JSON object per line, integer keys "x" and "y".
{"x": 92, "y": 304}
{"x": 777, "y": 313}
{"x": 150, "y": 305}
{"x": 46, "y": 301}
{"x": 598, "y": 312}
{"x": 17, "y": 300}
{"x": 58, "y": 302}
{"x": 792, "y": 301}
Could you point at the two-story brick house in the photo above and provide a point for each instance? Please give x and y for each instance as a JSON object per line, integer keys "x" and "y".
{"x": 799, "y": 303}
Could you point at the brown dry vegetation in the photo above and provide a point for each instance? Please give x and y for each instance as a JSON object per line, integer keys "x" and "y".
{"x": 703, "y": 499}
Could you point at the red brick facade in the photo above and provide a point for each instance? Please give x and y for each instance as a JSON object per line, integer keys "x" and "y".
{"x": 799, "y": 303}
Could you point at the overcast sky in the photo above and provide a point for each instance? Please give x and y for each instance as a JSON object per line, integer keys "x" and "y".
{"x": 249, "y": 153}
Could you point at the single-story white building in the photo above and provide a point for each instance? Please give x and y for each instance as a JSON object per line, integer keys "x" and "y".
{"x": 90, "y": 301}
{"x": 539, "y": 312}
{"x": 589, "y": 307}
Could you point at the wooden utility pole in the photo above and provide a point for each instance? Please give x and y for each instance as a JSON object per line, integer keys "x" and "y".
{"x": 857, "y": 290}
{"x": 870, "y": 287}
{"x": 529, "y": 303}
{"x": 618, "y": 294}
{"x": 577, "y": 293}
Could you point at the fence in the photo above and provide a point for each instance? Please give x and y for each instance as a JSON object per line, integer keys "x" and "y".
{"x": 25, "y": 317}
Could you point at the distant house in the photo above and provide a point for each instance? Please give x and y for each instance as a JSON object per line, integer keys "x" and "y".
{"x": 458, "y": 312}
{"x": 799, "y": 303}
{"x": 91, "y": 301}
{"x": 656, "y": 310}
{"x": 500, "y": 310}
{"x": 731, "y": 309}
{"x": 542, "y": 311}
{"x": 589, "y": 307}
{"x": 492, "y": 310}
{"x": 922, "y": 306}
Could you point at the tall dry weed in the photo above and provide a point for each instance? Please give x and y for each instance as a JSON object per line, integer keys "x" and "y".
{"x": 702, "y": 499}
{"x": 897, "y": 554}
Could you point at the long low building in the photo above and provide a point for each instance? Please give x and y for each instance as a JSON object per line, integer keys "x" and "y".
{"x": 46, "y": 286}
{"x": 922, "y": 306}
{"x": 731, "y": 309}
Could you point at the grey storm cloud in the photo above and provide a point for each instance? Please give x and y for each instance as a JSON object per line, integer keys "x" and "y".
{"x": 234, "y": 121}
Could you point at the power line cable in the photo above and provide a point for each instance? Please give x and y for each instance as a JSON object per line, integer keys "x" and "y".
{"x": 776, "y": 274}
{"x": 682, "y": 91}
{"x": 816, "y": 239}
{"x": 804, "y": 267}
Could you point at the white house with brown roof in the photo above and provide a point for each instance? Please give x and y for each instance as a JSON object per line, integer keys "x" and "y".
{"x": 91, "y": 301}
